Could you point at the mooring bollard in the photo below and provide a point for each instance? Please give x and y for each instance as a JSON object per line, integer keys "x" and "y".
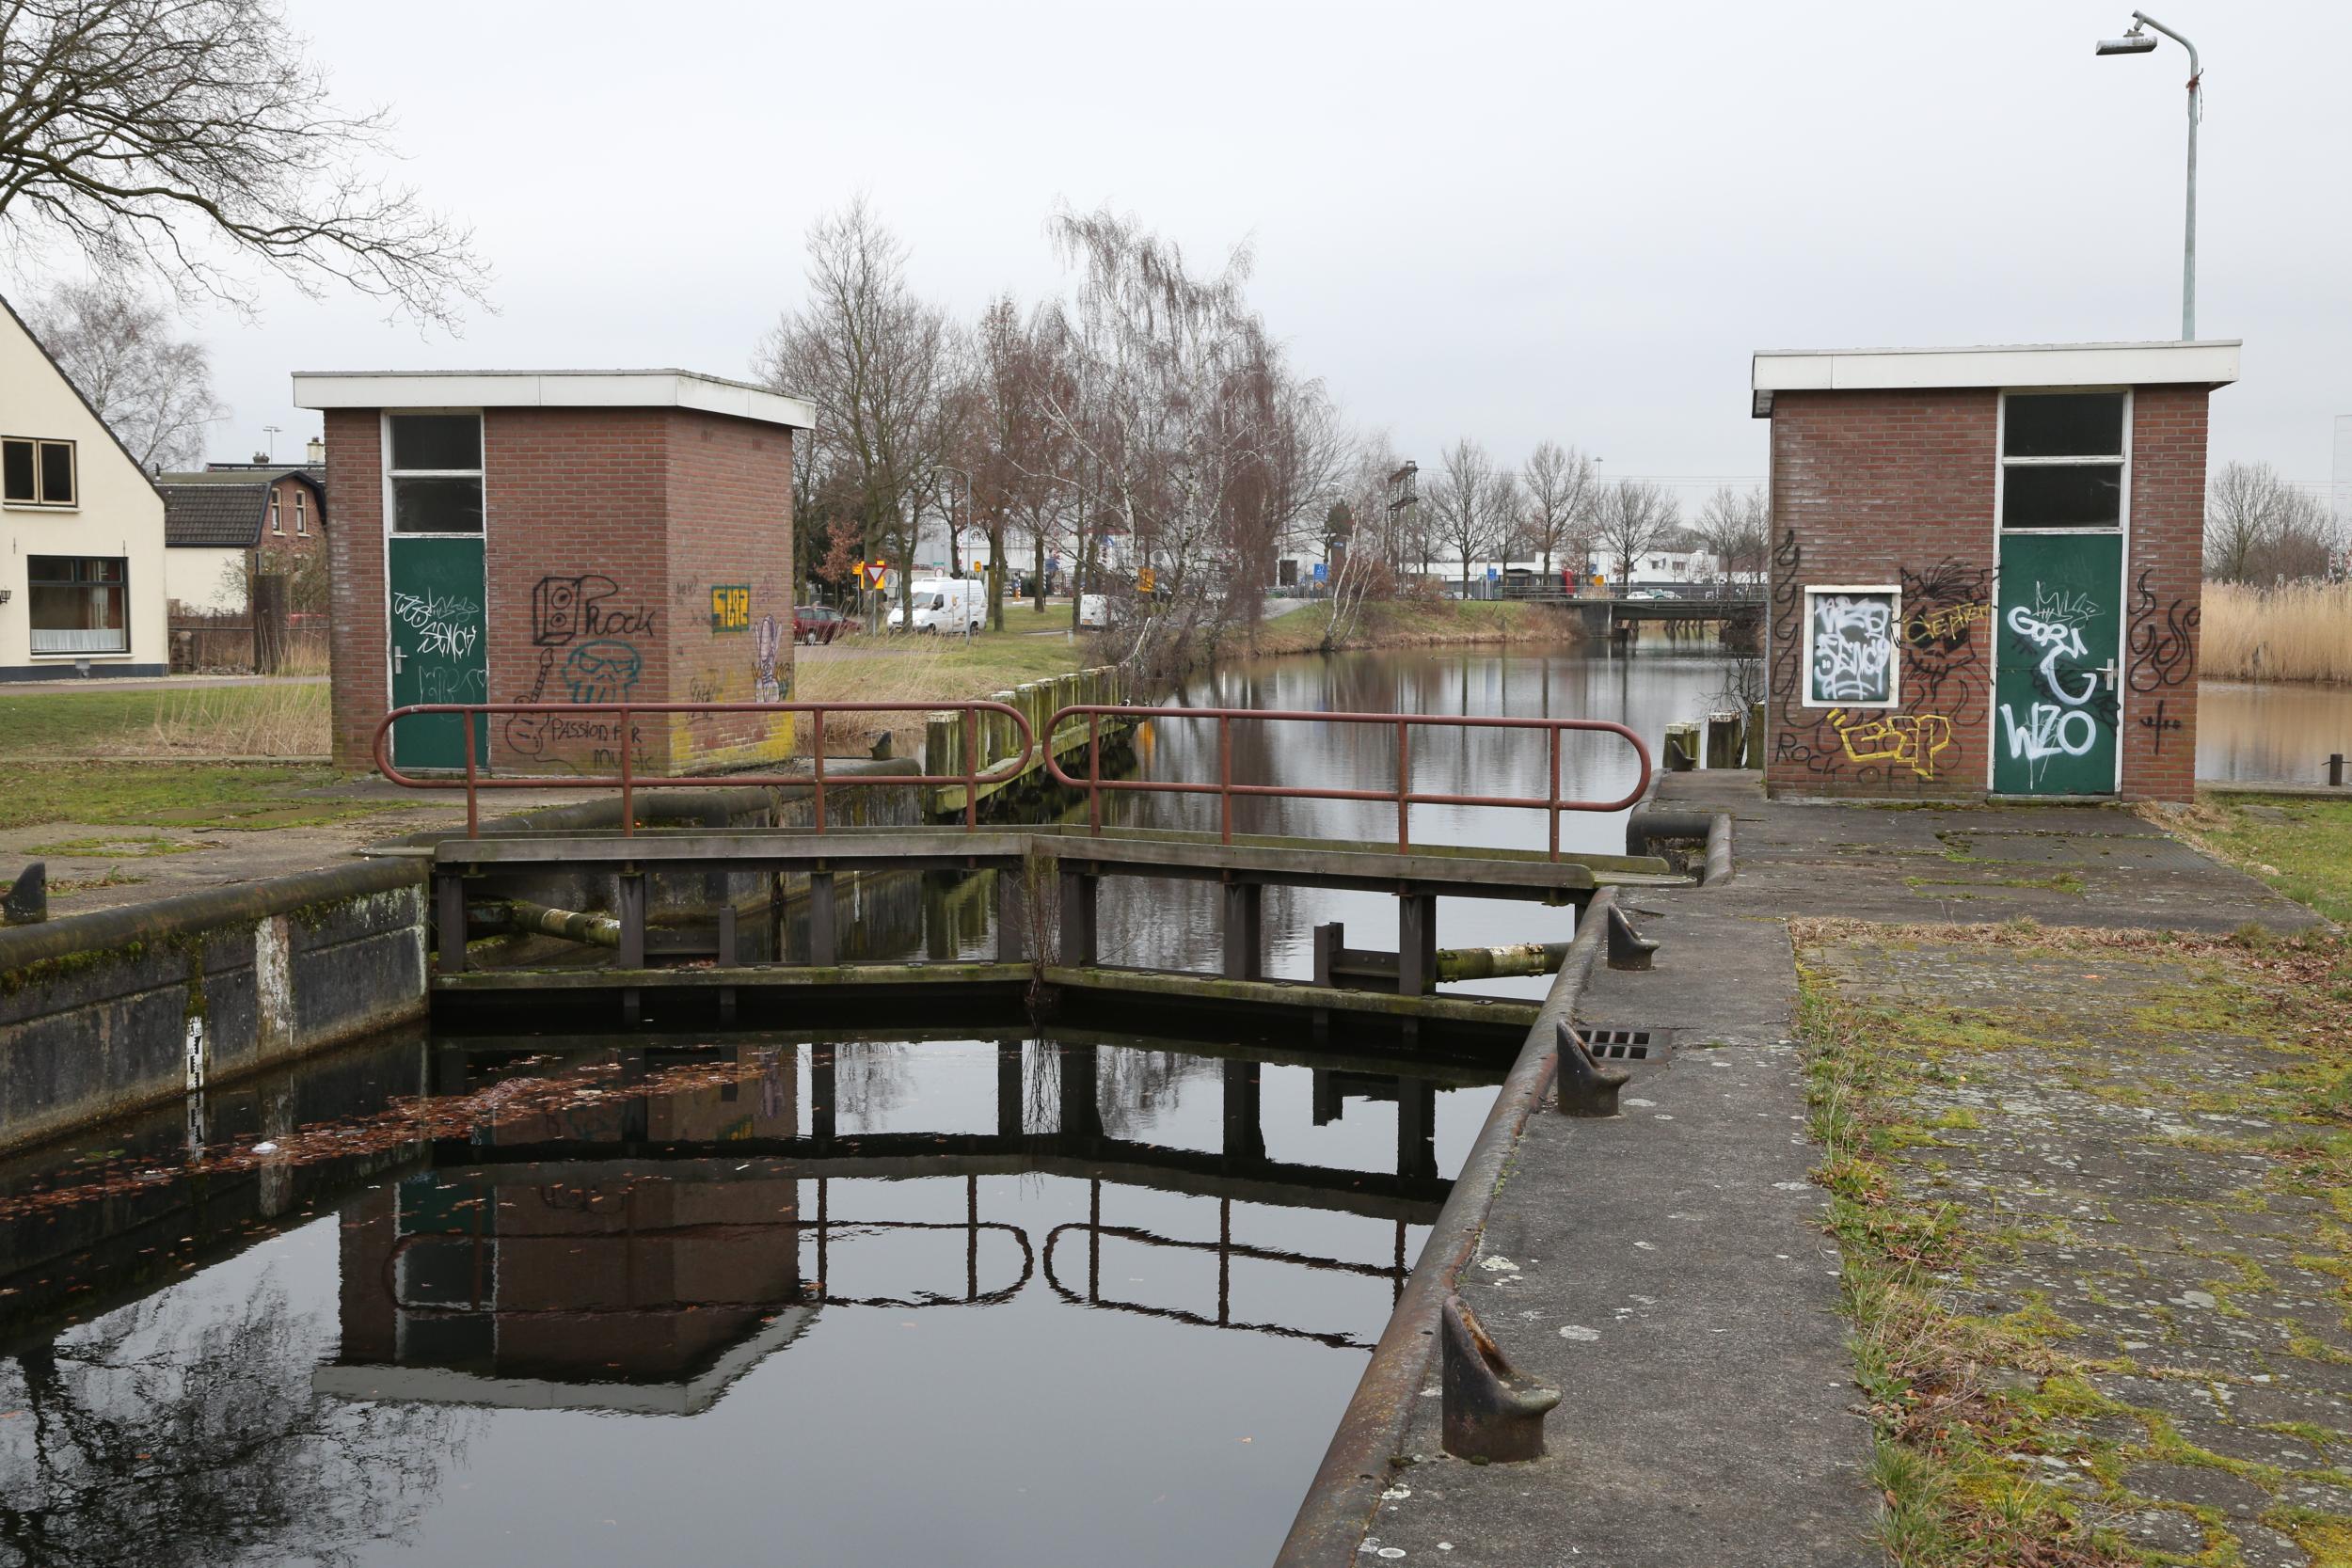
{"x": 1492, "y": 1412}
{"x": 1587, "y": 1087}
{"x": 1682, "y": 747}
{"x": 1723, "y": 740}
{"x": 1627, "y": 947}
{"x": 26, "y": 902}
{"x": 2335, "y": 770}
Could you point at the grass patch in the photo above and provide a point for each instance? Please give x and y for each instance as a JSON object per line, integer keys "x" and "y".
{"x": 2300, "y": 844}
{"x": 2061, "y": 882}
{"x": 286, "y": 718}
{"x": 1410, "y": 624}
{"x": 933, "y": 669}
{"x": 196, "y": 797}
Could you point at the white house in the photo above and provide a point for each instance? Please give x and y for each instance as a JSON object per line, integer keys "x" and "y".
{"x": 81, "y": 530}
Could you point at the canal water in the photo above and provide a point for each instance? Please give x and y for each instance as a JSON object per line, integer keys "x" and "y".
{"x": 2266, "y": 734}
{"x": 979, "y": 1293}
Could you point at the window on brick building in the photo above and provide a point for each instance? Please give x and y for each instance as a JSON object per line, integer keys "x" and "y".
{"x": 277, "y": 523}
{"x": 2062, "y": 460}
{"x": 302, "y": 518}
{"x": 436, "y": 473}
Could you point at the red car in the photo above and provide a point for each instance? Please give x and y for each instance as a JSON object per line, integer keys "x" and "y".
{"x": 817, "y": 622}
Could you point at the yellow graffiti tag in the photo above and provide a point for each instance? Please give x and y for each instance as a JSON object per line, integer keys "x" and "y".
{"x": 730, "y": 608}
{"x": 1944, "y": 622}
{"x": 1911, "y": 741}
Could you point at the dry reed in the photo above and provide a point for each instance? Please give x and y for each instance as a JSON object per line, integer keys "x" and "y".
{"x": 263, "y": 720}
{"x": 2302, "y": 632}
{"x": 908, "y": 672}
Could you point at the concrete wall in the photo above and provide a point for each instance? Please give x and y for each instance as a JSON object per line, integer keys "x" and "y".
{"x": 602, "y": 525}
{"x": 118, "y": 514}
{"x": 1897, "y": 487}
{"x": 107, "y": 1012}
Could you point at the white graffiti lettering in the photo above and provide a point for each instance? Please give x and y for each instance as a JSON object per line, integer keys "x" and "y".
{"x": 448, "y": 638}
{"x": 2049, "y": 731}
{"x": 417, "y": 610}
{"x": 1853, "y": 648}
{"x": 2057, "y": 640}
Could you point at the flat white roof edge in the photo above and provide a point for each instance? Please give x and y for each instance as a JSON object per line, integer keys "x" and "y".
{"x": 2210, "y": 361}
{"x": 659, "y": 388}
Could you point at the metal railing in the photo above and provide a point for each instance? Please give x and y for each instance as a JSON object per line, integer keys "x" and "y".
{"x": 1551, "y": 804}
{"x": 471, "y": 717}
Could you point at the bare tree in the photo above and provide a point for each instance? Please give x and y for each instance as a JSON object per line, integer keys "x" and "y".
{"x": 1631, "y": 515}
{"x": 145, "y": 133}
{"x": 1170, "y": 401}
{"x": 153, "y": 390}
{"x": 1732, "y": 527}
{"x": 2259, "y": 529}
{"x": 876, "y": 361}
{"x": 1472, "y": 504}
{"x": 1557, "y": 489}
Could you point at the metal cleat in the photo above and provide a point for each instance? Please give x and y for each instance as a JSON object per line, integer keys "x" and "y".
{"x": 1492, "y": 1412}
{"x": 1627, "y": 947}
{"x": 26, "y": 900}
{"x": 1587, "y": 1087}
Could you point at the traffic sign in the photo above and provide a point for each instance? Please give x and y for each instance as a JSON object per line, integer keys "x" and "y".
{"x": 1144, "y": 581}
{"x": 875, "y": 571}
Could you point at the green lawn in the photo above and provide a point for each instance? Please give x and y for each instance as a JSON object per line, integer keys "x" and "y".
{"x": 188, "y": 797}
{"x": 2300, "y": 844}
{"x": 277, "y": 718}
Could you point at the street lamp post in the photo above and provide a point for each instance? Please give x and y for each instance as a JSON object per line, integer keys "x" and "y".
{"x": 2138, "y": 42}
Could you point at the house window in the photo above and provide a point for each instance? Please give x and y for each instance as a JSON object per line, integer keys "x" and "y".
{"x": 302, "y": 520}
{"x": 80, "y": 605}
{"x": 35, "y": 472}
{"x": 436, "y": 473}
{"x": 1849, "y": 646}
{"x": 277, "y": 523}
{"x": 2062, "y": 460}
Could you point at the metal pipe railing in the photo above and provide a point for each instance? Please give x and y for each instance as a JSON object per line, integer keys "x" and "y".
{"x": 1401, "y": 792}
{"x": 625, "y": 714}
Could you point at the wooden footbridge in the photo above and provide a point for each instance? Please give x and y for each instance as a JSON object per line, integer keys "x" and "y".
{"x": 1046, "y": 879}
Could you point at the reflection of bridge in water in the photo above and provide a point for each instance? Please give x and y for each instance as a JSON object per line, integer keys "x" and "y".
{"x": 642, "y": 1251}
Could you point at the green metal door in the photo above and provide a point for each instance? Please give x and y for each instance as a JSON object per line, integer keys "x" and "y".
{"x": 2056, "y": 708}
{"x": 437, "y": 646}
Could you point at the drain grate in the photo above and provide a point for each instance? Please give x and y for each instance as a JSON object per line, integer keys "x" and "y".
{"x": 1626, "y": 1045}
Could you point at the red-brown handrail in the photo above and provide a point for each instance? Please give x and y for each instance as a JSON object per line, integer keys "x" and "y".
{"x": 1550, "y": 804}
{"x": 971, "y": 778}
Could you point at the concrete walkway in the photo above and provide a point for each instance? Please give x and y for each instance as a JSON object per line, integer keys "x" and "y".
{"x": 1669, "y": 1269}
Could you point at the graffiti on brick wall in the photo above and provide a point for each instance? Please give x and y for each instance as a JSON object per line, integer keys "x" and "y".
{"x": 730, "y": 608}
{"x": 568, "y": 608}
{"x": 603, "y": 670}
{"x": 2162, "y": 645}
{"x": 1924, "y": 642}
{"x": 1911, "y": 741}
{"x": 766, "y": 642}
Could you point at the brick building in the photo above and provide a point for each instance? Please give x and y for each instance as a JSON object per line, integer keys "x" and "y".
{"x": 560, "y": 537}
{"x": 1986, "y": 568}
{"x": 234, "y": 522}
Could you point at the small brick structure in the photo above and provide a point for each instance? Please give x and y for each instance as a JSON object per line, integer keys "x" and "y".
{"x": 563, "y": 537}
{"x": 1985, "y": 568}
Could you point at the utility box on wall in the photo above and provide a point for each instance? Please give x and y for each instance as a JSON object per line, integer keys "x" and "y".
{"x": 558, "y": 537}
{"x": 1986, "y": 568}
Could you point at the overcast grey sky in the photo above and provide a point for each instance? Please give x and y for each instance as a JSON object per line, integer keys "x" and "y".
{"x": 1507, "y": 221}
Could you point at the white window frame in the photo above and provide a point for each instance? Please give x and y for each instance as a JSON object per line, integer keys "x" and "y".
{"x": 2002, "y": 463}
{"x": 479, "y": 473}
{"x": 73, "y": 471}
{"x": 302, "y": 516}
{"x": 1893, "y": 699}
{"x": 277, "y": 523}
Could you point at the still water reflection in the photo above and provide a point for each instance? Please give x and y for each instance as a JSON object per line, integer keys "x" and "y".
{"x": 1031, "y": 1298}
{"x": 2270, "y": 733}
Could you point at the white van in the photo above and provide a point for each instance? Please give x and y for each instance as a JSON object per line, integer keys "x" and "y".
{"x": 945, "y": 603}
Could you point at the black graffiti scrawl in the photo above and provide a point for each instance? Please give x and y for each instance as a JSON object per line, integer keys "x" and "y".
{"x": 2163, "y": 649}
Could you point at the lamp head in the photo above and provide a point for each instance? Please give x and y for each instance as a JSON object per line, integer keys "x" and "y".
{"x": 2133, "y": 42}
